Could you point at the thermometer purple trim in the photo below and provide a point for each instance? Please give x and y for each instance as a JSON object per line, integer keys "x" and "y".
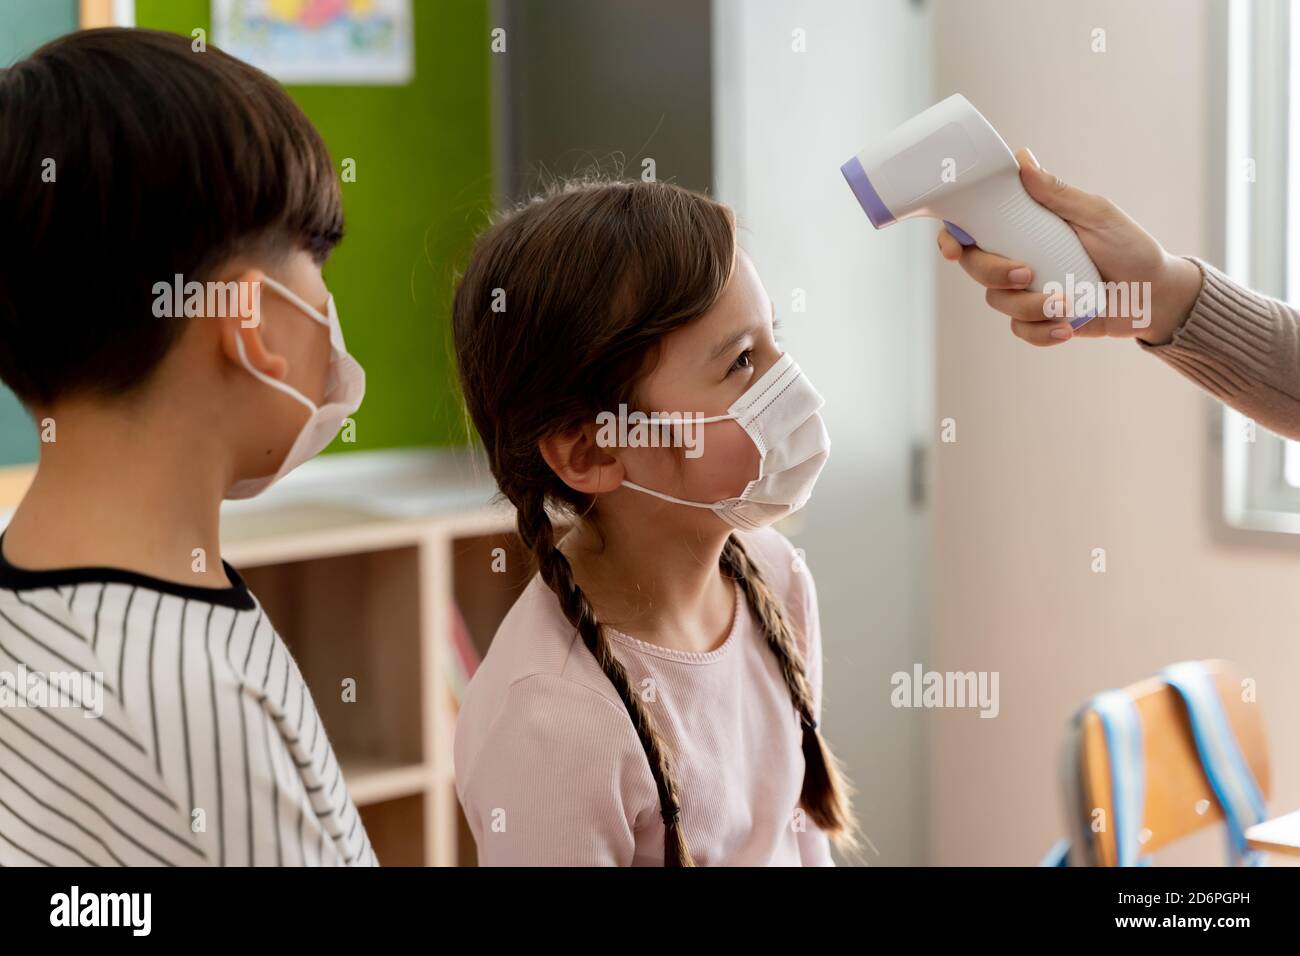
{"x": 960, "y": 234}
{"x": 868, "y": 198}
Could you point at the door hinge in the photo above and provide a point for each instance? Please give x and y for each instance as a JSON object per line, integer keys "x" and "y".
{"x": 917, "y": 489}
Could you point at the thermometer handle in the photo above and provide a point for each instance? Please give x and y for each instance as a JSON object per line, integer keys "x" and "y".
{"x": 1002, "y": 218}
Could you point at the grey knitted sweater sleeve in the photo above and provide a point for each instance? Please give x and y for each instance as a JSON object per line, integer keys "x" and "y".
{"x": 1241, "y": 347}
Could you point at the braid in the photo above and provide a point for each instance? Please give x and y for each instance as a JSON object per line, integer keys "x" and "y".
{"x": 826, "y": 788}
{"x": 538, "y": 535}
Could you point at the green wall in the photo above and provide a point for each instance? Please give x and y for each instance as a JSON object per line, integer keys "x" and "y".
{"x": 423, "y": 161}
{"x": 423, "y": 187}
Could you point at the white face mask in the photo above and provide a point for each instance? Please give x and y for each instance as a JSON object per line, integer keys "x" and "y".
{"x": 780, "y": 413}
{"x": 343, "y": 393}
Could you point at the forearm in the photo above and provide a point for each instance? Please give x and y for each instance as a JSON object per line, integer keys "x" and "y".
{"x": 1174, "y": 292}
{"x": 1242, "y": 347}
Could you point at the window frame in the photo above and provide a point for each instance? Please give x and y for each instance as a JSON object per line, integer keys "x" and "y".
{"x": 1261, "y": 124}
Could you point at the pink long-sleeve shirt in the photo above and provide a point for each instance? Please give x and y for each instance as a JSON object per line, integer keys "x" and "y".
{"x": 550, "y": 771}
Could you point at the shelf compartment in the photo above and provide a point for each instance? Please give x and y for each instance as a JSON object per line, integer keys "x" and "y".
{"x": 355, "y": 616}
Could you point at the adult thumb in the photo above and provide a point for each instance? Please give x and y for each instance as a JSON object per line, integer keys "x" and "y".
{"x": 1071, "y": 204}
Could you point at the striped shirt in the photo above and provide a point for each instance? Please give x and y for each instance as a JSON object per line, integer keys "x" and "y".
{"x": 144, "y": 722}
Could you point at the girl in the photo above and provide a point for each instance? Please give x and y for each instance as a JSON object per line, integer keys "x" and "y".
{"x": 653, "y": 695}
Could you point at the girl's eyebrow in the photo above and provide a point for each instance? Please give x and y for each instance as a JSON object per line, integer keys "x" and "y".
{"x": 731, "y": 340}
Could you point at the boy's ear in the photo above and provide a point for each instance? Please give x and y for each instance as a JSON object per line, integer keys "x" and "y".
{"x": 247, "y": 328}
{"x": 581, "y": 463}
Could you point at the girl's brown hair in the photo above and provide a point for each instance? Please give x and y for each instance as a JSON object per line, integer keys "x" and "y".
{"x": 556, "y": 318}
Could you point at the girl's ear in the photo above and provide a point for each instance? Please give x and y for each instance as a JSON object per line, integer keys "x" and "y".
{"x": 580, "y": 462}
{"x": 246, "y": 328}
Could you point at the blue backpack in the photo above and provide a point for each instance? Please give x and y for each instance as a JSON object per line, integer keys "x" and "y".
{"x": 1226, "y": 769}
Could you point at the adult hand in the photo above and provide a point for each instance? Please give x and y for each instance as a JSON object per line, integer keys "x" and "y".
{"x": 1122, "y": 250}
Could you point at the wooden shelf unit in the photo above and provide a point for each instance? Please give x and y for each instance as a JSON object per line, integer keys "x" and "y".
{"x": 372, "y": 599}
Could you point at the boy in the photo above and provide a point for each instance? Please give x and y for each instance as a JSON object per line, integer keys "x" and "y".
{"x": 149, "y": 712}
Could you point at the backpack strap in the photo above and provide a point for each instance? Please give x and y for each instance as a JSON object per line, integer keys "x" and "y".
{"x": 1123, "y": 730}
{"x": 1221, "y": 758}
{"x": 1058, "y": 855}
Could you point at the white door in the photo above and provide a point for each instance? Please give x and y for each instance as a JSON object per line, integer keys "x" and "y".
{"x": 799, "y": 87}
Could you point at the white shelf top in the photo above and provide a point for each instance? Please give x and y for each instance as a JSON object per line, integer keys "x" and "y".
{"x": 396, "y": 483}
{"x": 363, "y": 500}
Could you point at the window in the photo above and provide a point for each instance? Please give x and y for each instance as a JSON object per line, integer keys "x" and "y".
{"x": 1261, "y": 471}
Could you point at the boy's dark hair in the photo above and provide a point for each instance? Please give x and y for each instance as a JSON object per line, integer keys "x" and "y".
{"x": 165, "y": 161}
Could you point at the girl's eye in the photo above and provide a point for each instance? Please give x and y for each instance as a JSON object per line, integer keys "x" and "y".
{"x": 742, "y": 361}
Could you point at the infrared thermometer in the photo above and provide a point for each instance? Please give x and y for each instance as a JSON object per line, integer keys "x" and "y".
{"x": 949, "y": 163}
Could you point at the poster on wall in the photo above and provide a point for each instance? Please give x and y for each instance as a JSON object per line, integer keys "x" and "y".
{"x": 329, "y": 42}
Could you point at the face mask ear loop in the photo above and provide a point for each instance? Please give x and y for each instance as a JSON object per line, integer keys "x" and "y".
{"x": 273, "y": 382}
{"x": 682, "y": 501}
{"x": 293, "y": 297}
{"x": 661, "y": 495}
